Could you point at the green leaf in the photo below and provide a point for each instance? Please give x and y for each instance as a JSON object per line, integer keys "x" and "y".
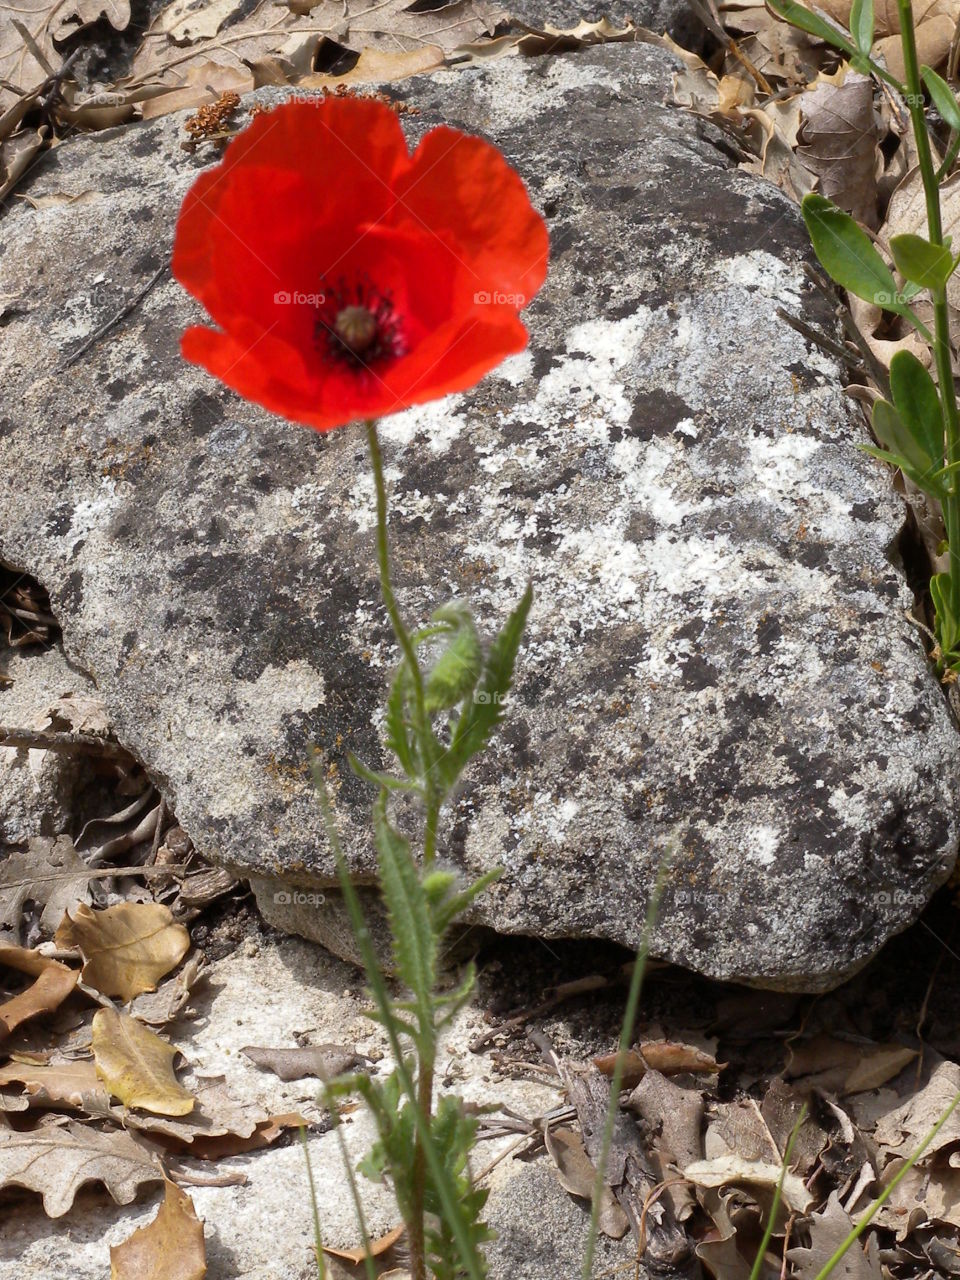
{"x": 485, "y": 711}
{"x": 892, "y": 432}
{"x": 411, "y": 927}
{"x": 848, "y": 255}
{"x": 799, "y": 16}
{"x": 947, "y": 626}
{"x": 397, "y": 735}
{"x": 928, "y": 265}
{"x": 861, "y": 24}
{"x": 918, "y": 405}
{"x": 457, "y": 670}
{"x": 385, "y": 780}
{"x": 942, "y": 97}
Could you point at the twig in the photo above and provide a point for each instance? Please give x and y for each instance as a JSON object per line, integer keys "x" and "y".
{"x": 103, "y": 873}
{"x": 566, "y": 991}
{"x": 112, "y": 323}
{"x": 84, "y": 744}
{"x": 819, "y": 339}
{"x": 158, "y": 832}
{"x": 875, "y": 369}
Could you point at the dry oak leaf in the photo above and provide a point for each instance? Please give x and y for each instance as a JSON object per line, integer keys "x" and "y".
{"x": 56, "y": 1160}
{"x": 40, "y": 874}
{"x": 54, "y": 982}
{"x": 734, "y": 1170}
{"x": 294, "y": 34}
{"x": 71, "y": 1084}
{"x": 171, "y": 1247}
{"x": 827, "y": 1231}
{"x": 128, "y": 948}
{"x": 901, "y": 1130}
{"x": 839, "y": 142}
{"x": 46, "y": 21}
{"x": 215, "y": 1115}
{"x": 137, "y": 1066}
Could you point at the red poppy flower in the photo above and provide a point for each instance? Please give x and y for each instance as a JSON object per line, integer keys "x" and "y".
{"x": 348, "y": 278}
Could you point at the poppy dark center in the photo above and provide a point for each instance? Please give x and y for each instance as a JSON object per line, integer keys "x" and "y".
{"x": 358, "y": 324}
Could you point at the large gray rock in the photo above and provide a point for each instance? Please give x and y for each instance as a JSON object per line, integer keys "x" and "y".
{"x": 718, "y": 667}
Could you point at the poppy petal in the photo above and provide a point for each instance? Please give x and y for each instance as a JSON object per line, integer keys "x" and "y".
{"x": 463, "y": 185}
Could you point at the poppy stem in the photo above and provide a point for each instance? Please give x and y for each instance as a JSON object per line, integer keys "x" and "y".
{"x": 422, "y": 725}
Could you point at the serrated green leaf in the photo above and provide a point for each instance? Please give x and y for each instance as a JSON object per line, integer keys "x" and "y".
{"x": 799, "y": 16}
{"x": 848, "y": 255}
{"x": 861, "y": 24}
{"x": 481, "y": 715}
{"x": 385, "y": 780}
{"x": 927, "y": 265}
{"x": 918, "y": 406}
{"x": 411, "y": 927}
{"x": 445, "y": 912}
{"x": 942, "y": 97}
{"x": 455, "y": 673}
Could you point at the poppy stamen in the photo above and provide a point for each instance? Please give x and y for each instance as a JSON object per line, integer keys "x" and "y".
{"x": 359, "y": 324}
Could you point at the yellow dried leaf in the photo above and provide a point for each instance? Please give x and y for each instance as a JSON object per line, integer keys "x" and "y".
{"x": 137, "y": 1066}
{"x": 171, "y": 1247}
{"x": 127, "y": 949}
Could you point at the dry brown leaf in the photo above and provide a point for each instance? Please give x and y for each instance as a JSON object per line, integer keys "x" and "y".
{"x": 578, "y": 1175}
{"x": 171, "y": 1247}
{"x": 73, "y": 15}
{"x": 273, "y": 31}
{"x": 901, "y": 1130}
{"x": 674, "y": 1116}
{"x": 734, "y": 1170}
{"x": 216, "y": 1115}
{"x": 42, "y": 873}
{"x": 776, "y": 49}
{"x": 843, "y": 1066}
{"x": 56, "y": 1160}
{"x": 839, "y": 142}
{"x": 377, "y": 1247}
{"x": 54, "y": 982}
{"x": 159, "y": 1007}
{"x": 127, "y": 949}
{"x": 668, "y": 1057}
{"x": 231, "y": 1144}
{"x": 321, "y": 1060}
{"x": 827, "y": 1231}
{"x": 533, "y": 41}
{"x": 71, "y": 1084}
{"x": 46, "y": 21}
{"x": 933, "y": 45}
{"x": 137, "y": 1066}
